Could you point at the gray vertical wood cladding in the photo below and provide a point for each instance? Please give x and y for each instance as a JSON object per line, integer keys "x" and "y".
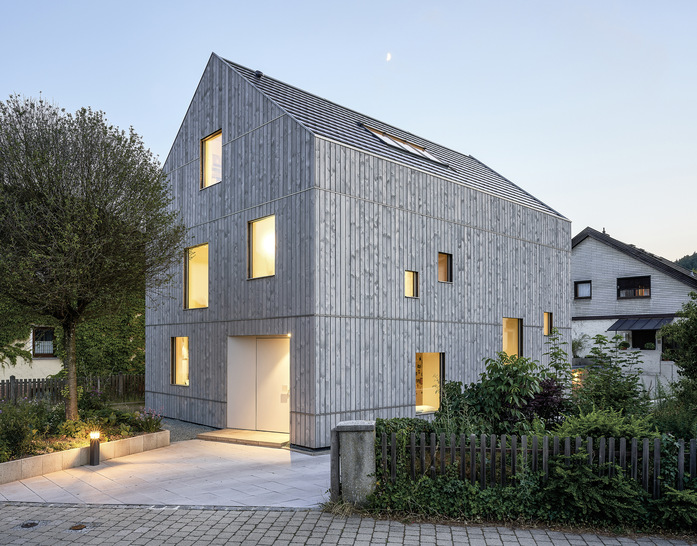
{"x": 267, "y": 169}
{"x": 376, "y": 219}
{"x": 348, "y": 224}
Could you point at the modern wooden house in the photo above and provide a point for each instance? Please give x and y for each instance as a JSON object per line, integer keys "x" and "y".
{"x": 339, "y": 268}
{"x": 621, "y": 289}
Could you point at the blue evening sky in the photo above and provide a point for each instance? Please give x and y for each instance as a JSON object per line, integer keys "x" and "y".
{"x": 590, "y": 105}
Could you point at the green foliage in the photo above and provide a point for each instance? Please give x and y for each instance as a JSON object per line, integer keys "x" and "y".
{"x": 454, "y": 415}
{"x": 689, "y": 262}
{"x": 578, "y": 344}
{"x": 682, "y": 336}
{"x": 676, "y": 509}
{"x": 559, "y": 363}
{"x": 577, "y": 494}
{"x": 15, "y": 327}
{"x": 147, "y": 420}
{"x": 607, "y": 423}
{"x": 16, "y": 431}
{"x": 675, "y": 411}
{"x": 505, "y": 388}
{"x": 612, "y": 382}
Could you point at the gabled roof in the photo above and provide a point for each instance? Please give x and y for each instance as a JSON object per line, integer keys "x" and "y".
{"x": 333, "y": 122}
{"x": 657, "y": 262}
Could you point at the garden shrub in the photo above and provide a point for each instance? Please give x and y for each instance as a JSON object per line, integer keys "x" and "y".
{"x": 406, "y": 425}
{"x": 675, "y": 411}
{"x": 607, "y": 423}
{"x": 676, "y": 509}
{"x": 550, "y": 404}
{"x": 92, "y": 400}
{"x": 147, "y": 420}
{"x": 16, "y": 429}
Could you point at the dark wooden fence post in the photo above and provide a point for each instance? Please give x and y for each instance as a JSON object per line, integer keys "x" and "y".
{"x": 656, "y": 467}
{"x": 13, "y": 389}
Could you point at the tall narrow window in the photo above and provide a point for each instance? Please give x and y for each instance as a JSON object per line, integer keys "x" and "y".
{"x": 180, "y": 361}
{"x": 42, "y": 342}
{"x": 445, "y": 267}
{"x": 212, "y": 159}
{"x": 196, "y": 277}
{"x": 548, "y": 324}
{"x": 411, "y": 284}
{"x": 513, "y": 336}
{"x": 430, "y": 369}
{"x": 262, "y": 247}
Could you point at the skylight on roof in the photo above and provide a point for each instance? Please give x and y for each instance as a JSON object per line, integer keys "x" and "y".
{"x": 396, "y": 142}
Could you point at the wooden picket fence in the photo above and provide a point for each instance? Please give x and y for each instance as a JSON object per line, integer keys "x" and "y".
{"x": 116, "y": 388}
{"x": 491, "y": 460}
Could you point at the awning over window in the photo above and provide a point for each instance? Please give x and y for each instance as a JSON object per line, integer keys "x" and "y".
{"x": 639, "y": 324}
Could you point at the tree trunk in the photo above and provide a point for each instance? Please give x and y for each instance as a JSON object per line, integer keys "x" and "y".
{"x": 69, "y": 329}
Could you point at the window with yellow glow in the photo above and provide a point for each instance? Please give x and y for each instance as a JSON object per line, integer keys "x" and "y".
{"x": 445, "y": 267}
{"x": 196, "y": 277}
{"x": 262, "y": 247}
{"x": 429, "y": 377}
{"x": 180, "y": 361}
{"x": 548, "y": 325}
{"x": 212, "y": 159}
{"x": 411, "y": 284}
{"x": 512, "y": 336}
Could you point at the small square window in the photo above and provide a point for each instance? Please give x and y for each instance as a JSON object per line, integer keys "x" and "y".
{"x": 430, "y": 370}
{"x": 42, "y": 343}
{"x": 411, "y": 284}
{"x": 513, "y": 336}
{"x": 634, "y": 287}
{"x": 196, "y": 277}
{"x": 180, "y": 361}
{"x": 548, "y": 324}
{"x": 582, "y": 290}
{"x": 212, "y": 159}
{"x": 262, "y": 247}
{"x": 445, "y": 267}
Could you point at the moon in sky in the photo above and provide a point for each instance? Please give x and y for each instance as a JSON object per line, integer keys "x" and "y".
{"x": 389, "y": 56}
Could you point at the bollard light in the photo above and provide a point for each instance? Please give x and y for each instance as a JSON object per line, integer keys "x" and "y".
{"x": 94, "y": 448}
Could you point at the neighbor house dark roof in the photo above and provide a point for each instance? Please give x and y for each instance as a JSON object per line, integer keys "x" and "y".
{"x": 665, "y": 266}
{"x": 331, "y": 121}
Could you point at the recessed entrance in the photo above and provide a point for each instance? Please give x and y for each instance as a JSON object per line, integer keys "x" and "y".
{"x": 258, "y": 383}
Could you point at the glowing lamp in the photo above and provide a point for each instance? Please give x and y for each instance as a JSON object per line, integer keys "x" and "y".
{"x": 94, "y": 448}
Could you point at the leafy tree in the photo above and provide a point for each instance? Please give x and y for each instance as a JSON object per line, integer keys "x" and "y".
{"x": 15, "y": 326}
{"x": 688, "y": 262}
{"x": 85, "y": 218}
{"x": 682, "y": 335}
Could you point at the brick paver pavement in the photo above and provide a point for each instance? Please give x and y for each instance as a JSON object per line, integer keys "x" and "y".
{"x": 50, "y": 524}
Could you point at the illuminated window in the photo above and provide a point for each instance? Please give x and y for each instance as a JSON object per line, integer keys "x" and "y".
{"x": 212, "y": 159}
{"x": 582, "y": 290}
{"x": 634, "y": 287}
{"x": 411, "y": 284}
{"x": 42, "y": 342}
{"x": 548, "y": 324}
{"x": 513, "y": 336}
{"x": 445, "y": 267}
{"x": 429, "y": 376}
{"x": 196, "y": 277}
{"x": 262, "y": 247}
{"x": 402, "y": 144}
{"x": 180, "y": 361}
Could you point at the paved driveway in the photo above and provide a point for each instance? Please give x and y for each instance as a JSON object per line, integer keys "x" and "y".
{"x": 193, "y": 472}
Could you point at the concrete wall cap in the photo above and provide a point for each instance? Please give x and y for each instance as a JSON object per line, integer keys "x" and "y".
{"x": 355, "y": 426}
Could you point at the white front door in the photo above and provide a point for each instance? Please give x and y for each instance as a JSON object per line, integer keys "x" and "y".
{"x": 258, "y": 384}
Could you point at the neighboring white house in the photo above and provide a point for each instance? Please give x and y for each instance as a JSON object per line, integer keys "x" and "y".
{"x": 44, "y": 362}
{"x": 621, "y": 289}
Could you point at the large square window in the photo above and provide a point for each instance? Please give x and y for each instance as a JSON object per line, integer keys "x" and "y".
{"x": 634, "y": 287}
{"x": 212, "y": 159}
{"x": 180, "y": 361}
{"x": 411, "y": 284}
{"x": 429, "y": 378}
{"x": 644, "y": 339}
{"x": 262, "y": 247}
{"x": 445, "y": 267}
{"x": 513, "y": 336}
{"x": 582, "y": 290}
{"x": 196, "y": 277}
{"x": 42, "y": 343}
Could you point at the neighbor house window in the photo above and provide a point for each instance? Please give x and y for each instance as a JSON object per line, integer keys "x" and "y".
{"x": 644, "y": 339}
{"x": 411, "y": 284}
{"x": 445, "y": 267}
{"x": 262, "y": 247}
{"x": 196, "y": 277}
{"x": 547, "y": 324}
{"x": 42, "y": 342}
{"x": 212, "y": 159}
{"x": 430, "y": 369}
{"x": 180, "y": 361}
{"x": 634, "y": 287}
{"x": 582, "y": 290}
{"x": 513, "y": 336}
